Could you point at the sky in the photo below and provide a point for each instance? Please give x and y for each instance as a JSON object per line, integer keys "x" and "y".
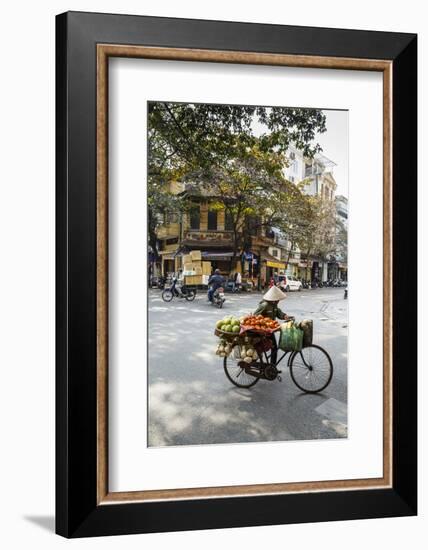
{"x": 335, "y": 146}
{"x": 334, "y": 143}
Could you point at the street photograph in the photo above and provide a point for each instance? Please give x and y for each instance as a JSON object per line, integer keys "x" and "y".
{"x": 247, "y": 274}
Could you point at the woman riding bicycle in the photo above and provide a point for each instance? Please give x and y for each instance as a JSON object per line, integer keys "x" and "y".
{"x": 268, "y": 307}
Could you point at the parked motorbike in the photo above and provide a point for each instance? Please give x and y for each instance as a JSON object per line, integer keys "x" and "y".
{"x": 178, "y": 292}
{"x": 157, "y": 282}
{"x": 161, "y": 283}
{"x": 231, "y": 286}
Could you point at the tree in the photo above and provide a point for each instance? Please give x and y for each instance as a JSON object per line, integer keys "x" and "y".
{"x": 187, "y": 138}
{"x": 236, "y": 153}
{"x": 316, "y": 231}
{"x": 341, "y": 244}
{"x": 251, "y": 189}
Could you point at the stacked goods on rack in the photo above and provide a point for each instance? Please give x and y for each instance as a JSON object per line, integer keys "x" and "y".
{"x": 206, "y": 268}
{"x": 195, "y": 271}
{"x": 229, "y": 331}
{"x": 291, "y": 338}
{"x": 307, "y": 326}
{"x": 258, "y": 323}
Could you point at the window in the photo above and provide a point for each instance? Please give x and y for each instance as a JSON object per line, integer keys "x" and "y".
{"x": 195, "y": 217}
{"x": 171, "y": 217}
{"x": 212, "y": 220}
{"x": 292, "y": 155}
{"x": 275, "y": 252}
{"x": 228, "y": 221}
{"x": 253, "y": 223}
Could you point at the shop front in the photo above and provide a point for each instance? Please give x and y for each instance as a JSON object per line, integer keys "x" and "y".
{"x": 343, "y": 271}
{"x": 221, "y": 260}
{"x": 293, "y": 268}
{"x": 333, "y": 271}
{"x": 304, "y": 270}
{"x": 271, "y": 268}
{"x": 168, "y": 264}
{"x": 250, "y": 265}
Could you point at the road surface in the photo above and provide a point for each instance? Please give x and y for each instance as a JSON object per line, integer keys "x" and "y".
{"x": 191, "y": 402}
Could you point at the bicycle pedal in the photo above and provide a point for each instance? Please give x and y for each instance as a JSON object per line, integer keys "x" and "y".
{"x": 279, "y": 379}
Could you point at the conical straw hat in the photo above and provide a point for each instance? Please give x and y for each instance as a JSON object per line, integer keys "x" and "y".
{"x": 274, "y": 294}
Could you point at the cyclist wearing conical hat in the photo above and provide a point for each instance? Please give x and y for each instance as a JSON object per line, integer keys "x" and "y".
{"x": 268, "y": 307}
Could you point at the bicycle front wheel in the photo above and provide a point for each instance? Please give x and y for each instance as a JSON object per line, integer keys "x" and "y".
{"x": 311, "y": 369}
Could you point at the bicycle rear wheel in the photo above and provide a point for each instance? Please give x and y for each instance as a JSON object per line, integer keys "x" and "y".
{"x": 311, "y": 369}
{"x": 236, "y": 373}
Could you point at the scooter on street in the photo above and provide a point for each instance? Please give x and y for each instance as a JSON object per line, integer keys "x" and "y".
{"x": 218, "y": 297}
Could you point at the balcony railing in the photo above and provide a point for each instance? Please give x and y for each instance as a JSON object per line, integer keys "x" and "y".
{"x": 169, "y": 230}
{"x": 208, "y": 235}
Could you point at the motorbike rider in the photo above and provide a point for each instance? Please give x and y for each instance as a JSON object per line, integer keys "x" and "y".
{"x": 215, "y": 281}
{"x": 268, "y": 307}
{"x": 174, "y": 284}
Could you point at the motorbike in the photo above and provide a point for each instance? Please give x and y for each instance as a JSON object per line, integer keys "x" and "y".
{"x": 178, "y": 292}
{"x": 158, "y": 282}
{"x": 218, "y": 297}
{"x": 231, "y": 286}
{"x": 161, "y": 283}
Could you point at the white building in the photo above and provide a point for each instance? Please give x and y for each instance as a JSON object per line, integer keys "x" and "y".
{"x": 342, "y": 209}
{"x": 317, "y": 171}
{"x": 318, "y": 174}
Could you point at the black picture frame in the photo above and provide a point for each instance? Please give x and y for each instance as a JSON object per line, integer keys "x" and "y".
{"x": 77, "y": 511}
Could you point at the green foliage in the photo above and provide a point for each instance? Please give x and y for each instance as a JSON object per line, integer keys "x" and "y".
{"x": 235, "y": 154}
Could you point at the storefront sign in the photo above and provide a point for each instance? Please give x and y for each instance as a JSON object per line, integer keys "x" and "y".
{"x": 277, "y": 265}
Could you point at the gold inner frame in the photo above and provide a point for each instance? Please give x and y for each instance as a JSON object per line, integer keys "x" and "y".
{"x": 104, "y": 51}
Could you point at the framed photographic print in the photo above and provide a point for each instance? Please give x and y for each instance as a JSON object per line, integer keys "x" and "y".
{"x": 236, "y": 253}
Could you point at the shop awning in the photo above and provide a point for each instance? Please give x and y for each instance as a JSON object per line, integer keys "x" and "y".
{"x": 276, "y": 265}
{"x": 217, "y": 255}
{"x": 271, "y": 261}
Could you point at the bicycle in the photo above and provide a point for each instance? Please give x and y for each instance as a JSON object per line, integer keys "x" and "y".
{"x": 311, "y": 368}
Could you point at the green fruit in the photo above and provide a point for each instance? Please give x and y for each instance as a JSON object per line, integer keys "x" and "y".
{"x": 219, "y": 324}
{"x": 236, "y": 328}
{"x": 228, "y": 328}
{"x": 224, "y": 327}
{"x": 236, "y": 323}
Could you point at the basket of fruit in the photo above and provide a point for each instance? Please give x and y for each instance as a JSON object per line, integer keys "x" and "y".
{"x": 228, "y": 327}
{"x": 259, "y": 324}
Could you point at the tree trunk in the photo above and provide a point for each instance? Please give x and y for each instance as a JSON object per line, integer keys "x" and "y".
{"x": 153, "y": 240}
{"x": 289, "y": 255}
{"x": 235, "y": 250}
{"x": 307, "y": 263}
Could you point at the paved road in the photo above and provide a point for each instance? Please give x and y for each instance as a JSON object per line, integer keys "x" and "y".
{"x": 192, "y": 402}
